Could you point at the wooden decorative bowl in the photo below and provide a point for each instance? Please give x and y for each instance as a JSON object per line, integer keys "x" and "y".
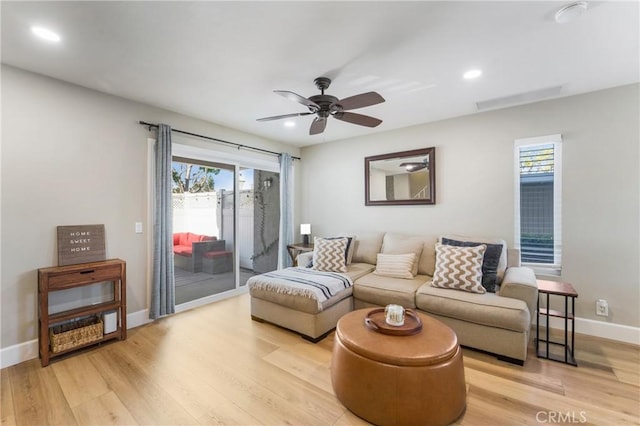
{"x": 375, "y": 320}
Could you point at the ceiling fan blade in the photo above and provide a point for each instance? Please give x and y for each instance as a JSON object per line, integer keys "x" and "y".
{"x": 317, "y": 126}
{"x": 360, "y": 101}
{"x": 362, "y": 120}
{"x": 278, "y": 117}
{"x": 297, "y": 98}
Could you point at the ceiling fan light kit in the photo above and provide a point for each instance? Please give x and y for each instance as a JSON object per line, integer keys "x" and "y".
{"x": 571, "y": 11}
{"x": 325, "y": 106}
{"x": 414, "y": 166}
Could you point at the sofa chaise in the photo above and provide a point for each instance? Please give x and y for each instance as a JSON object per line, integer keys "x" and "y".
{"x": 496, "y": 322}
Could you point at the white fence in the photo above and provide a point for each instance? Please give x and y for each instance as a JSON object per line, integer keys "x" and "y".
{"x": 201, "y": 213}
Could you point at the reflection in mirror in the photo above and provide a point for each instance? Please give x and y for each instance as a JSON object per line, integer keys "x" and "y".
{"x": 401, "y": 178}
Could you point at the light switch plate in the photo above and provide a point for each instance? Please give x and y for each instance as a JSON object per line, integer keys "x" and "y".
{"x": 138, "y": 227}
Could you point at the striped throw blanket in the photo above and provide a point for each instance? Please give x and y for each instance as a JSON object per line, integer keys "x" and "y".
{"x": 299, "y": 281}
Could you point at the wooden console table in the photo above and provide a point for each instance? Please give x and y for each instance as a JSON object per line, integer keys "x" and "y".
{"x": 58, "y": 278}
{"x": 297, "y": 248}
{"x": 567, "y": 291}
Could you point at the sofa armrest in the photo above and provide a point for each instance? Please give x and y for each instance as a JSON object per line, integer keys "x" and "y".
{"x": 520, "y": 283}
{"x": 304, "y": 258}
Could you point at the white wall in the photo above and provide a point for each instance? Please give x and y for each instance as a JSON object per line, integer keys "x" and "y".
{"x": 378, "y": 182}
{"x": 475, "y": 187}
{"x": 74, "y": 156}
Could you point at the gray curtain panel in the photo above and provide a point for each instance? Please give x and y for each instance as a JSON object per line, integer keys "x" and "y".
{"x": 286, "y": 210}
{"x": 163, "y": 284}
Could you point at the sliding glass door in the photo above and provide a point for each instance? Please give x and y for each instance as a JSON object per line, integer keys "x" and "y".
{"x": 203, "y": 228}
{"x": 226, "y": 219}
{"x": 259, "y": 219}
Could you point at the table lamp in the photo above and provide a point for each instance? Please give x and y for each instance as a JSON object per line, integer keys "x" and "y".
{"x": 305, "y": 231}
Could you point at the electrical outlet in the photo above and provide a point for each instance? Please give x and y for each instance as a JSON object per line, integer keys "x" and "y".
{"x": 602, "y": 308}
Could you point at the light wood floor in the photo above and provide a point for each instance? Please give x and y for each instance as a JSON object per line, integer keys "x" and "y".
{"x": 213, "y": 365}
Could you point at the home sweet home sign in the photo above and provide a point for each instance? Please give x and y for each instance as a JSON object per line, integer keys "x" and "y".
{"x": 80, "y": 244}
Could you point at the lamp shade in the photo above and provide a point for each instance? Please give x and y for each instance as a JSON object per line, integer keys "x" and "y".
{"x": 305, "y": 229}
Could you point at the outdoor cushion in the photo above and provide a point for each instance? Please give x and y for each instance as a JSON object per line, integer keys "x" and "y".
{"x": 212, "y": 254}
{"x": 182, "y": 242}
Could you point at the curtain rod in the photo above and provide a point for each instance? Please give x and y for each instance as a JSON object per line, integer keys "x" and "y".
{"x": 144, "y": 123}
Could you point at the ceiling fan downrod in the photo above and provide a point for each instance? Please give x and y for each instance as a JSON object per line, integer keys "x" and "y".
{"x": 322, "y": 83}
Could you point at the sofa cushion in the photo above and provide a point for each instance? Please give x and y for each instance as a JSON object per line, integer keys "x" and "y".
{"x": 502, "y": 265}
{"x": 299, "y": 302}
{"x": 367, "y": 246}
{"x": 382, "y": 291}
{"x": 329, "y": 254}
{"x": 357, "y": 270}
{"x": 403, "y": 244}
{"x": 487, "y": 309}
{"x": 489, "y": 262}
{"x": 459, "y": 268}
{"x": 395, "y": 265}
{"x": 427, "y": 261}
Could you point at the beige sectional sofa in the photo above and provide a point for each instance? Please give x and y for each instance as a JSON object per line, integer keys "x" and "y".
{"x": 497, "y": 322}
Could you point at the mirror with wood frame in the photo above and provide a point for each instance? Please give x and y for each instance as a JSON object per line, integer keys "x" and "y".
{"x": 401, "y": 178}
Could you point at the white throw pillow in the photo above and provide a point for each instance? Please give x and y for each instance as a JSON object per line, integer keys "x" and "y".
{"x": 459, "y": 268}
{"x": 395, "y": 265}
{"x": 402, "y": 244}
{"x": 329, "y": 254}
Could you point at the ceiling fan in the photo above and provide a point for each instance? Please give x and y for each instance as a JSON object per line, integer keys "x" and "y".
{"x": 324, "y": 106}
{"x": 414, "y": 166}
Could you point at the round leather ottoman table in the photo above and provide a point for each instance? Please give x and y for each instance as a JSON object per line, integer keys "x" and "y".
{"x": 398, "y": 380}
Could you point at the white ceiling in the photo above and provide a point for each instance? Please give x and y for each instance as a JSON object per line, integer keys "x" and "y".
{"x": 220, "y": 61}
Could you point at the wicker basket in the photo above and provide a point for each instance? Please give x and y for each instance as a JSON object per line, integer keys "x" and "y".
{"x": 76, "y": 333}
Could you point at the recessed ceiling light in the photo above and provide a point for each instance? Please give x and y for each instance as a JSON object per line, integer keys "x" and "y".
{"x": 471, "y": 74}
{"x": 570, "y": 11}
{"x": 289, "y": 124}
{"x": 45, "y": 34}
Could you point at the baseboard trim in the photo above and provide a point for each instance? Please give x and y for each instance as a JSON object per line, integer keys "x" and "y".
{"x": 136, "y": 319}
{"x": 25, "y": 351}
{"x": 623, "y": 333}
{"x": 18, "y": 353}
{"x": 604, "y": 330}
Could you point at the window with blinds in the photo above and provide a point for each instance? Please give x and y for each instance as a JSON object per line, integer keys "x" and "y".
{"x": 538, "y": 186}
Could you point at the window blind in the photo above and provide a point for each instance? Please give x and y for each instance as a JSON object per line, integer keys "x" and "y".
{"x": 538, "y": 184}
